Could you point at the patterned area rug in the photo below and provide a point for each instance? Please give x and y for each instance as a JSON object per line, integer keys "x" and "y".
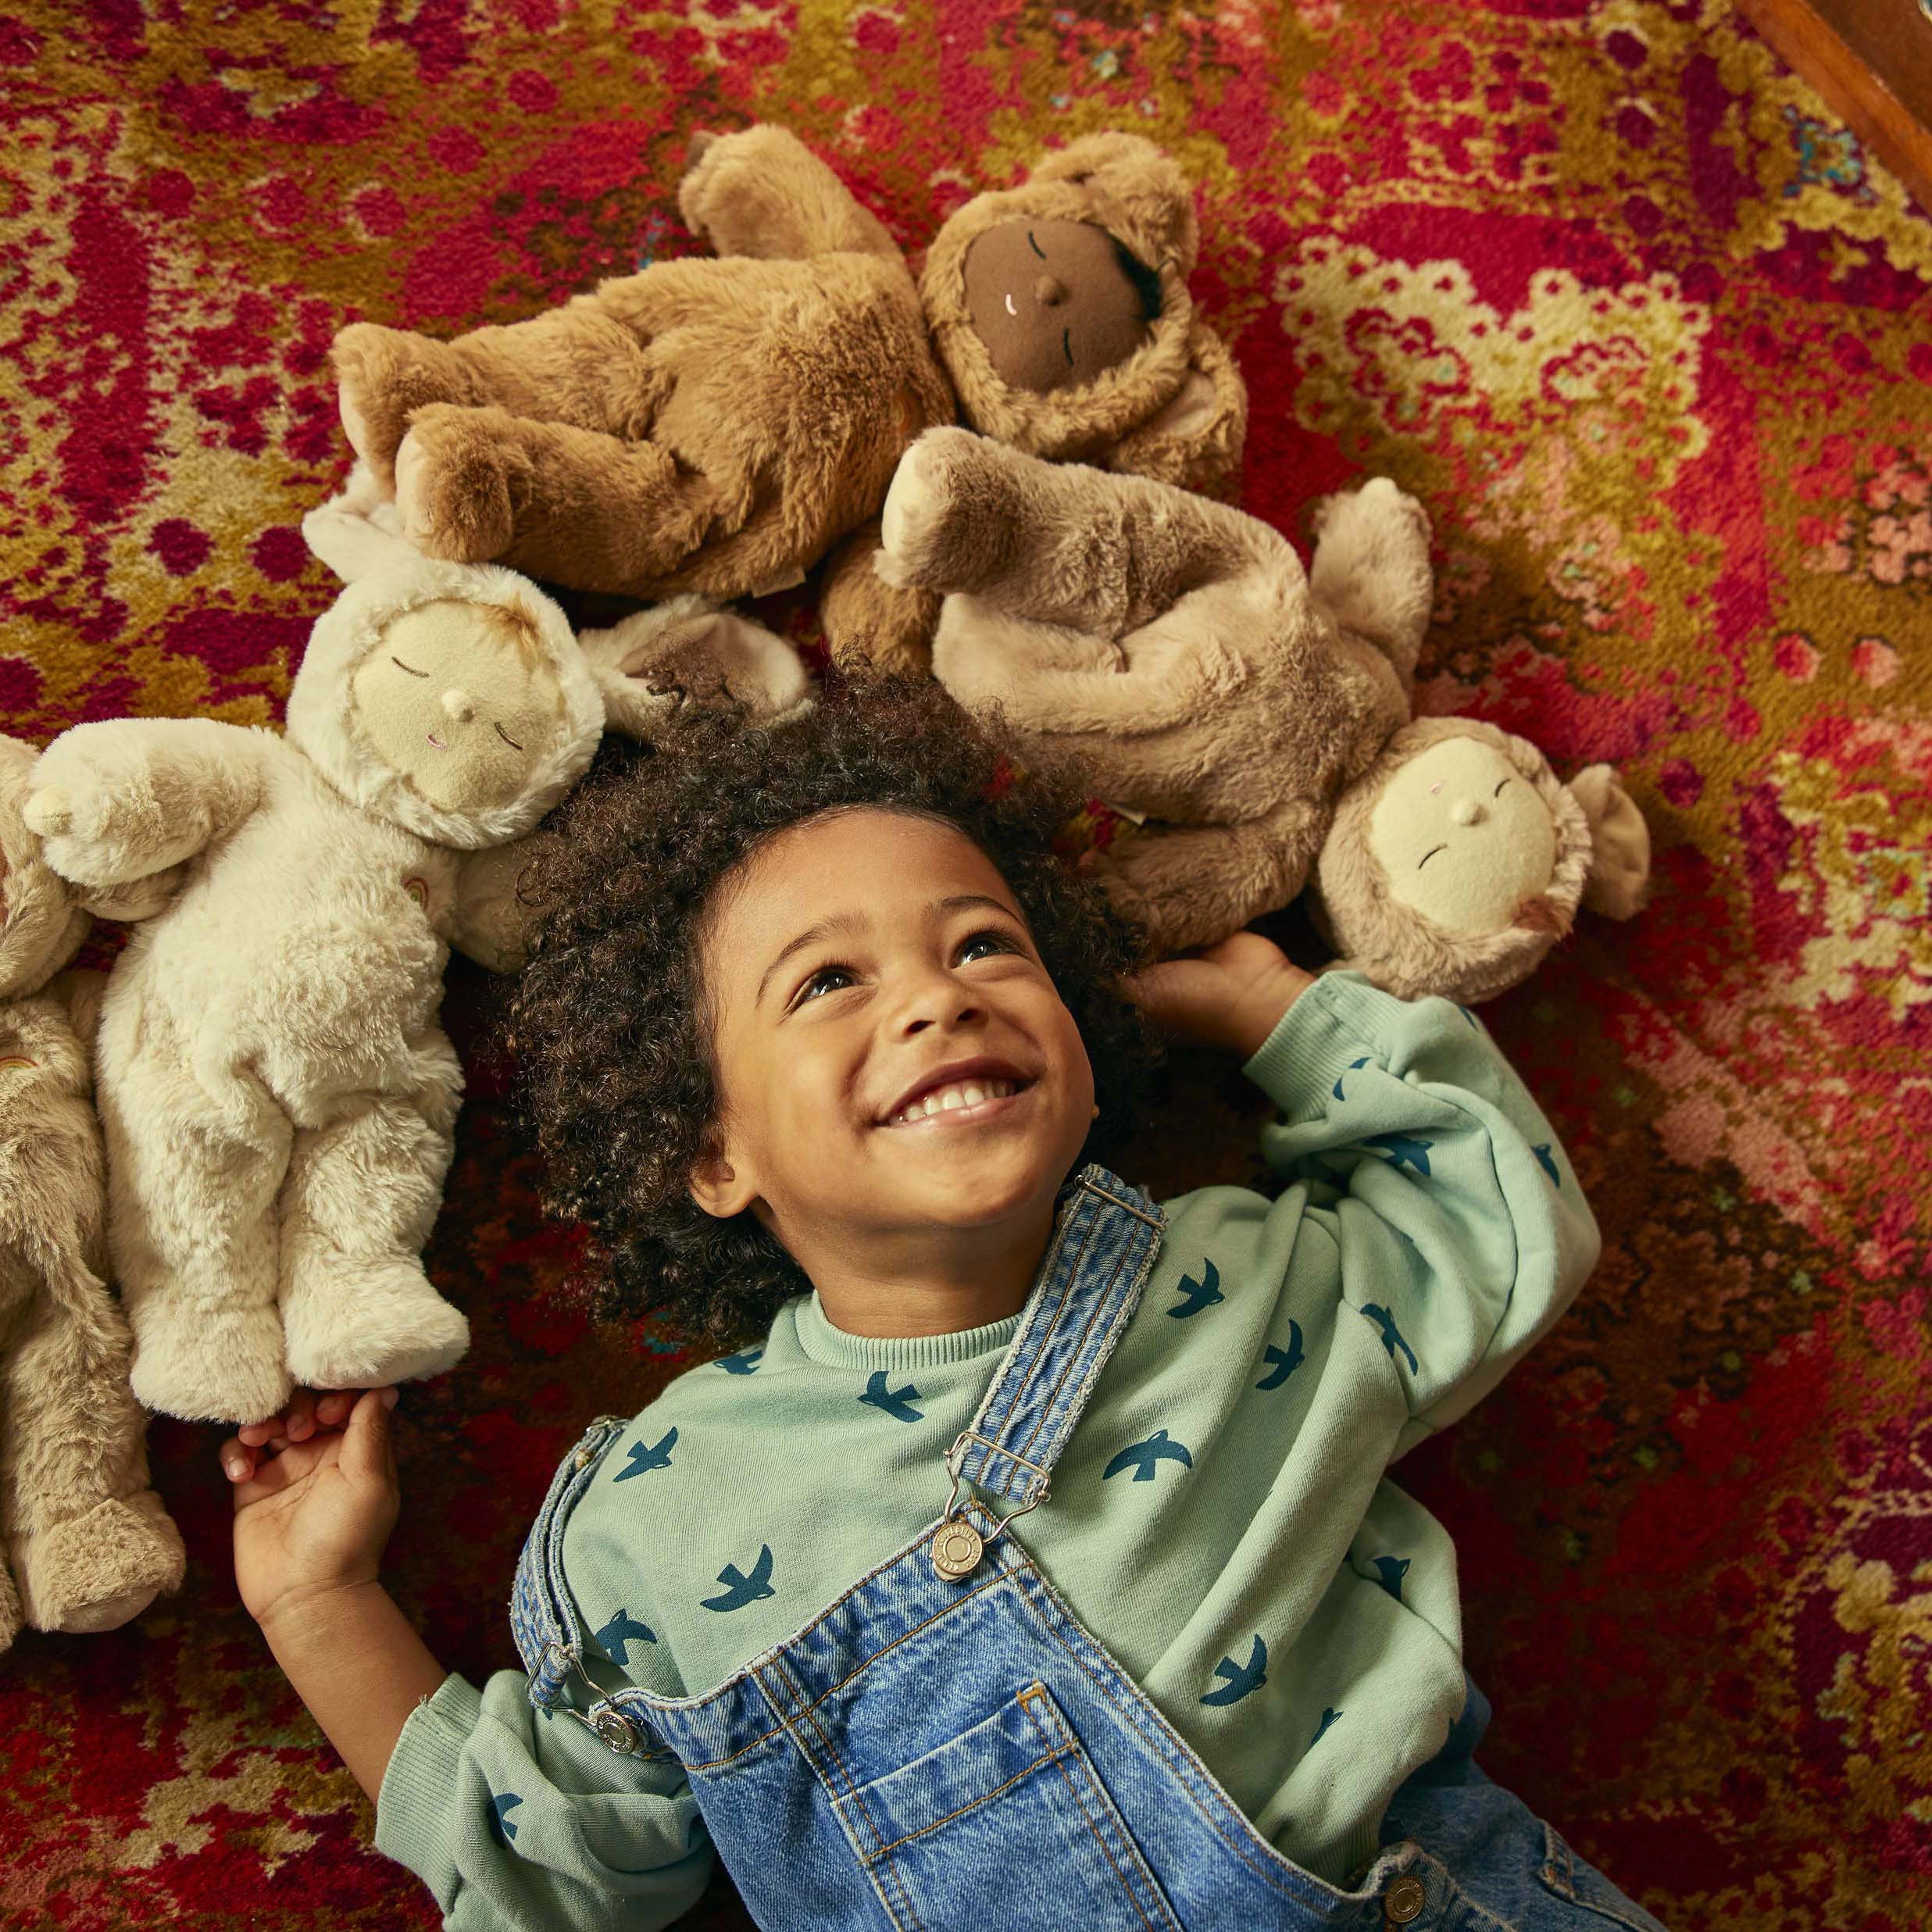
{"x": 1648, "y": 332}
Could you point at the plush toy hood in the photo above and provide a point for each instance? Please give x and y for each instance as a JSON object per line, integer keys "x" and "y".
{"x": 321, "y": 703}
{"x": 1175, "y": 409}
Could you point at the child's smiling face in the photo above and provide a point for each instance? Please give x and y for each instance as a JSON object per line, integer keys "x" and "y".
{"x": 892, "y": 1059}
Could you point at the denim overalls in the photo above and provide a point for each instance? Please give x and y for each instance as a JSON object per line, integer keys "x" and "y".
{"x": 945, "y": 1747}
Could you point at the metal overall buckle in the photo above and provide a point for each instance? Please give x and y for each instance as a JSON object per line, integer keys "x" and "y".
{"x": 957, "y": 1545}
{"x": 612, "y": 1728}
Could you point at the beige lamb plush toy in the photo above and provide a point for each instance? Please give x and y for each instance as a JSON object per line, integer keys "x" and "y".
{"x": 86, "y": 1543}
{"x": 277, "y": 1093}
{"x": 1252, "y": 717}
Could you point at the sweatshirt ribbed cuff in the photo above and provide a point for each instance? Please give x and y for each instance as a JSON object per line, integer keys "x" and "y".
{"x": 1330, "y": 1025}
{"x": 413, "y": 1809}
{"x": 837, "y": 1349}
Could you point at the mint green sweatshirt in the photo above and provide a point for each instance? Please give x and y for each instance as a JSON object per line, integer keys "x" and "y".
{"x": 1226, "y": 1479}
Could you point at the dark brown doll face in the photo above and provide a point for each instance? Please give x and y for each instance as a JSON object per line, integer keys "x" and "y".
{"x": 1052, "y": 303}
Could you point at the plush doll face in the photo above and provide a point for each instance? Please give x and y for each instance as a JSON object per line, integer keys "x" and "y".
{"x": 457, "y": 699}
{"x": 1053, "y": 302}
{"x": 1462, "y": 837}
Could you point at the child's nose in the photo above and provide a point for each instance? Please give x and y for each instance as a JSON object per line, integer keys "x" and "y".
{"x": 459, "y": 705}
{"x": 1468, "y": 812}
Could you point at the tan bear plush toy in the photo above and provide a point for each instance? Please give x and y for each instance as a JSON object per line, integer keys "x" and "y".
{"x": 86, "y": 1543}
{"x": 277, "y": 1093}
{"x": 1254, "y": 718}
{"x": 718, "y": 425}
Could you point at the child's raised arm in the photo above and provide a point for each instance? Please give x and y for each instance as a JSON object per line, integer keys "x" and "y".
{"x": 511, "y": 1818}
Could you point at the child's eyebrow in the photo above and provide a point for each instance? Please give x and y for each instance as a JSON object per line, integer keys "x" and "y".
{"x": 979, "y": 899}
{"x": 841, "y": 923}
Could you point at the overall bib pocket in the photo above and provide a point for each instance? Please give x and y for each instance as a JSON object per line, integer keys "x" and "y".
{"x": 1015, "y": 1795}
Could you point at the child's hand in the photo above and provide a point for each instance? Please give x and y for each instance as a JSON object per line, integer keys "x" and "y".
{"x": 315, "y": 1502}
{"x": 1227, "y": 996}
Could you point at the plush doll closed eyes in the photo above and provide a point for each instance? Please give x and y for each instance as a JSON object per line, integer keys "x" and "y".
{"x": 718, "y": 425}
{"x": 1254, "y": 718}
{"x": 277, "y": 1093}
{"x": 86, "y": 1543}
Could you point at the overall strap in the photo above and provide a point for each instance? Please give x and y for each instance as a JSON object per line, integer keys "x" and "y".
{"x": 1107, "y": 1236}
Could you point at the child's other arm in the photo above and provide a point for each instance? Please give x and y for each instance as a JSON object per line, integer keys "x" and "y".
{"x": 1438, "y": 1198}
{"x": 510, "y": 1818}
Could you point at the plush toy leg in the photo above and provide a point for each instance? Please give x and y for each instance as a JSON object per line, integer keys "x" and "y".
{"x": 88, "y": 1539}
{"x": 869, "y": 623}
{"x": 1371, "y": 568}
{"x": 566, "y": 505}
{"x": 1058, "y": 542}
{"x": 1192, "y": 888}
{"x": 362, "y": 1193}
{"x": 191, "y": 1229}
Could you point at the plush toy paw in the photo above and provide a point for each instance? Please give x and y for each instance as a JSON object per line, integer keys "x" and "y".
{"x": 1619, "y": 844}
{"x": 223, "y": 1367}
{"x": 951, "y": 501}
{"x": 451, "y": 493}
{"x": 1371, "y": 566}
{"x": 364, "y": 1325}
{"x": 96, "y": 1570}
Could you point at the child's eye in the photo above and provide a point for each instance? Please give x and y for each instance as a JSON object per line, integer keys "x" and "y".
{"x": 827, "y": 980}
{"x": 989, "y": 941}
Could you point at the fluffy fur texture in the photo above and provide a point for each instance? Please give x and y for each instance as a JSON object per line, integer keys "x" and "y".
{"x": 277, "y": 1094}
{"x": 719, "y": 426}
{"x": 1176, "y": 653}
{"x": 86, "y": 1543}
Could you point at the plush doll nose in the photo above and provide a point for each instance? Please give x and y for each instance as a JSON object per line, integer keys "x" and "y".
{"x": 1049, "y": 291}
{"x": 1468, "y": 812}
{"x": 459, "y": 705}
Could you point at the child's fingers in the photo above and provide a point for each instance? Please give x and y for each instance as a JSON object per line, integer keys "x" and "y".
{"x": 237, "y": 1457}
{"x": 367, "y": 1448}
{"x": 332, "y": 1410}
{"x": 298, "y": 1419}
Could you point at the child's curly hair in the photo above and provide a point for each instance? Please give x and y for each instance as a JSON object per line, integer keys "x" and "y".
{"x": 609, "y": 1020}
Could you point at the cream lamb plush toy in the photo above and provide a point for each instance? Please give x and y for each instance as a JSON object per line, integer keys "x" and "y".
{"x": 277, "y": 1093}
{"x": 86, "y": 1543}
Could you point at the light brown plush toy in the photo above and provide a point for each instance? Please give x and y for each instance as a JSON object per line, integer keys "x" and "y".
{"x": 88, "y": 1544}
{"x": 1252, "y": 717}
{"x": 718, "y": 425}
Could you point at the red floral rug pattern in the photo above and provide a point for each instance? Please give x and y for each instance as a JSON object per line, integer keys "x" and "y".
{"x": 1647, "y": 331}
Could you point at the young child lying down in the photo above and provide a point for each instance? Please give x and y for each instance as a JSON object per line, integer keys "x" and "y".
{"x": 1038, "y": 1567}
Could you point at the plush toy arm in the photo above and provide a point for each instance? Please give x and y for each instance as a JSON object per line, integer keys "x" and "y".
{"x": 869, "y": 622}
{"x": 1619, "y": 844}
{"x": 79, "y": 993}
{"x": 493, "y": 923}
{"x": 1196, "y": 439}
{"x": 763, "y": 193}
{"x": 119, "y": 801}
{"x": 688, "y": 650}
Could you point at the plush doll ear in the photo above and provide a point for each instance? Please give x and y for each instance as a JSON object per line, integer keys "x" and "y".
{"x": 1619, "y": 844}
{"x": 1136, "y": 192}
{"x": 687, "y": 651}
{"x": 1194, "y": 439}
{"x": 359, "y": 529}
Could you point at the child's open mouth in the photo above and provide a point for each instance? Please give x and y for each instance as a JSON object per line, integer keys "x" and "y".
{"x": 961, "y": 1098}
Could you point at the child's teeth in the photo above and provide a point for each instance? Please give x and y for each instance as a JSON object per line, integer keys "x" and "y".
{"x": 952, "y": 1098}
{"x": 974, "y": 1095}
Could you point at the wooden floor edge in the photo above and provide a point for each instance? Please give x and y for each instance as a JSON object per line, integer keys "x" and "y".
{"x": 1849, "y": 88}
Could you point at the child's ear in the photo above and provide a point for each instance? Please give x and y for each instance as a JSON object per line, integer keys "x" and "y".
{"x": 720, "y": 1187}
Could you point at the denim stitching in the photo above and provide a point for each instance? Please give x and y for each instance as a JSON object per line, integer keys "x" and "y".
{"x": 960, "y": 1811}
{"x": 1555, "y": 1839}
{"x": 1101, "y": 1310}
{"x": 810, "y": 1712}
{"x": 1027, "y": 1700}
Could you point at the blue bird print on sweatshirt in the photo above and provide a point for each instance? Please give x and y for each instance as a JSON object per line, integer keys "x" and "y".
{"x": 744, "y": 1362}
{"x": 896, "y": 1402}
{"x": 1196, "y": 1295}
{"x": 1403, "y": 1150}
{"x": 1549, "y": 1161}
{"x": 643, "y": 1460}
{"x": 1242, "y": 1678}
{"x": 1391, "y": 1570}
{"x": 622, "y": 1630}
{"x": 1352, "y": 1066}
{"x": 1144, "y": 1458}
{"x": 1391, "y": 1335}
{"x": 1321, "y": 1730}
{"x": 740, "y": 1589}
{"x": 502, "y": 1826}
{"x": 1283, "y": 1362}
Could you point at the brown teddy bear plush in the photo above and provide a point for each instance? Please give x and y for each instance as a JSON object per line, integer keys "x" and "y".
{"x": 719, "y": 426}
{"x": 1252, "y": 719}
{"x": 87, "y": 1543}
